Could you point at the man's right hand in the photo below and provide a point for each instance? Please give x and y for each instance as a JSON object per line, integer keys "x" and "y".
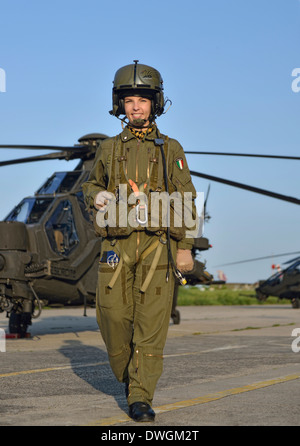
{"x": 102, "y": 199}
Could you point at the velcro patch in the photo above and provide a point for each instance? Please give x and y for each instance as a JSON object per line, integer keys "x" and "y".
{"x": 179, "y": 163}
{"x": 111, "y": 258}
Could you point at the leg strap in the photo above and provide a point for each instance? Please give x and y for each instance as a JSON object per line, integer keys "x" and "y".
{"x": 124, "y": 258}
{"x": 158, "y": 244}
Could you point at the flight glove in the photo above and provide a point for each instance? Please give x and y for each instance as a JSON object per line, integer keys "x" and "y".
{"x": 102, "y": 199}
{"x": 184, "y": 260}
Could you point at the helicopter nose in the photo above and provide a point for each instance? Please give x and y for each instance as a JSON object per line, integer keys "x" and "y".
{"x": 13, "y": 235}
{"x": 13, "y": 249}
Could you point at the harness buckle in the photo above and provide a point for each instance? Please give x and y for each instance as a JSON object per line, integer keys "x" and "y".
{"x": 163, "y": 239}
{"x": 141, "y": 213}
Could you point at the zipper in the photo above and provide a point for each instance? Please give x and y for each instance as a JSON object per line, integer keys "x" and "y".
{"x": 137, "y": 180}
{"x": 137, "y": 162}
{"x": 137, "y": 361}
{"x": 137, "y": 245}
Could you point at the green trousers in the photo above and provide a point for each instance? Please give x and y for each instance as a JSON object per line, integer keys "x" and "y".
{"x": 134, "y": 324}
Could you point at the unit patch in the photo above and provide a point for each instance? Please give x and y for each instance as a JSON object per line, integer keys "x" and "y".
{"x": 111, "y": 258}
{"x": 179, "y": 163}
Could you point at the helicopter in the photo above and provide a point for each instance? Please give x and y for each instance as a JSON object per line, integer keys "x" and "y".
{"x": 49, "y": 252}
{"x": 285, "y": 284}
{"x": 48, "y": 249}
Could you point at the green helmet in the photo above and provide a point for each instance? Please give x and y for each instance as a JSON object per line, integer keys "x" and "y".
{"x": 137, "y": 80}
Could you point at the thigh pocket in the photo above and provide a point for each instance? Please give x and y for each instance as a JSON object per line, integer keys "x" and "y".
{"x": 117, "y": 295}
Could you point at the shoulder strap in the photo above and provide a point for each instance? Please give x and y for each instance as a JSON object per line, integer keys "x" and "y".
{"x": 162, "y": 142}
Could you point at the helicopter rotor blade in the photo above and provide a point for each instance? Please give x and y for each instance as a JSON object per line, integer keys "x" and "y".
{"x": 71, "y": 148}
{"x": 292, "y": 260}
{"x": 259, "y": 258}
{"x": 207, "y": 194}
{"x": 36, "y": 147}
{"x": 206, "y": 215}
{"x": 247, "y": 187}
{"x": 49, "y": 156}
{"x": 254, "y": 155}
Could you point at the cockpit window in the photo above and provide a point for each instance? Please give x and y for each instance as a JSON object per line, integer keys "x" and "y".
{"x": 30, "y": 210}
{"x": 275, "y": 278}
{"x": 61, "y": 229}
{"x": 294, "y": 267}
{"x": 59, "y": 183}
{"x": 82, "y": 206}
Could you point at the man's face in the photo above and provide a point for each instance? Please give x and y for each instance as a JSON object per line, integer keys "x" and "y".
{"x": 137, "y": 110}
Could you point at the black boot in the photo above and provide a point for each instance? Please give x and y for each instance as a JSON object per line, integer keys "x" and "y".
{"x": 140, "y": 411}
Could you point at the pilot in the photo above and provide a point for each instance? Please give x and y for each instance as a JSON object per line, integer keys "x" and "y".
{"x": 142, "y": 254}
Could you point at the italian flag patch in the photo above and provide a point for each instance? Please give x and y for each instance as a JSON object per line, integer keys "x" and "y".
{"x": 179, "y": 163}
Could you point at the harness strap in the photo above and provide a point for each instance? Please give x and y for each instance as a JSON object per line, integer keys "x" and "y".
{"x": 149, "y": 250}
{"x": 124, "y": 258}
{"x": 117, "y": 165}
{"x": 158, "y": 244}
{"x": 160, "y": 176}
{"x": 152, "y": 268}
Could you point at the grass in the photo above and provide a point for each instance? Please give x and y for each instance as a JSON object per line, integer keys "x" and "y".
{"x": 222, "y": 295}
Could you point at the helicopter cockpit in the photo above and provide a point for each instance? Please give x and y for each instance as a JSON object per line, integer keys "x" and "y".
{"x": 60, "y": 183}
{"x": 294, "y": 268}
{"x": 30, "y": 210}
{"x": 61, "y": 229}
{"x": 275, "y": 279}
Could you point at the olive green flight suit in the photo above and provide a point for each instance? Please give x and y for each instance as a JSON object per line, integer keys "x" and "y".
{"x": 134, "y": 320}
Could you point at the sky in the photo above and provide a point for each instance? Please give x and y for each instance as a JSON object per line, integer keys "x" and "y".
{"x": 230, "y": 69}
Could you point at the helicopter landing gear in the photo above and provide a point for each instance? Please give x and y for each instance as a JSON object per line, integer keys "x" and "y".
{"x": 176, "y": 317}
{"x": 18, "y": 323}
{"x": 20, "y": 318}
{"x": 175, "y": 314}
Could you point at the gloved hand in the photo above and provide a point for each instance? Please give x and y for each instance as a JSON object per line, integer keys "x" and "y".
{"x": 184, "y": 260}
{"x": 102, "y": 199}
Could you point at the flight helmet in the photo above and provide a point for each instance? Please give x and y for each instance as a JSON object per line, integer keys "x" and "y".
{"x": 137, "y": 80}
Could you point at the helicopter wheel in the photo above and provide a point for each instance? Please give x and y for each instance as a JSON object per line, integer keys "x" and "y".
{"x": 296, "y": 302}
{"x": 18, "y": 323}
{"x": 175, "y": 317}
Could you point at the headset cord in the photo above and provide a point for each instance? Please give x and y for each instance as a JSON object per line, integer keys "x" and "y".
{"x": 182, "y": 280}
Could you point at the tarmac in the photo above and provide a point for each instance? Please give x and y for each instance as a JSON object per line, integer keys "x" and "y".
{"x": 223, "y": 366}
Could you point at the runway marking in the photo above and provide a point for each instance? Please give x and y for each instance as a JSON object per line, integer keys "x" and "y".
{"x": 51, "y": 369}
{"x": 75, "y": 366}
{"x": 216, "y": 349}
{"x": 200, "y": 400}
